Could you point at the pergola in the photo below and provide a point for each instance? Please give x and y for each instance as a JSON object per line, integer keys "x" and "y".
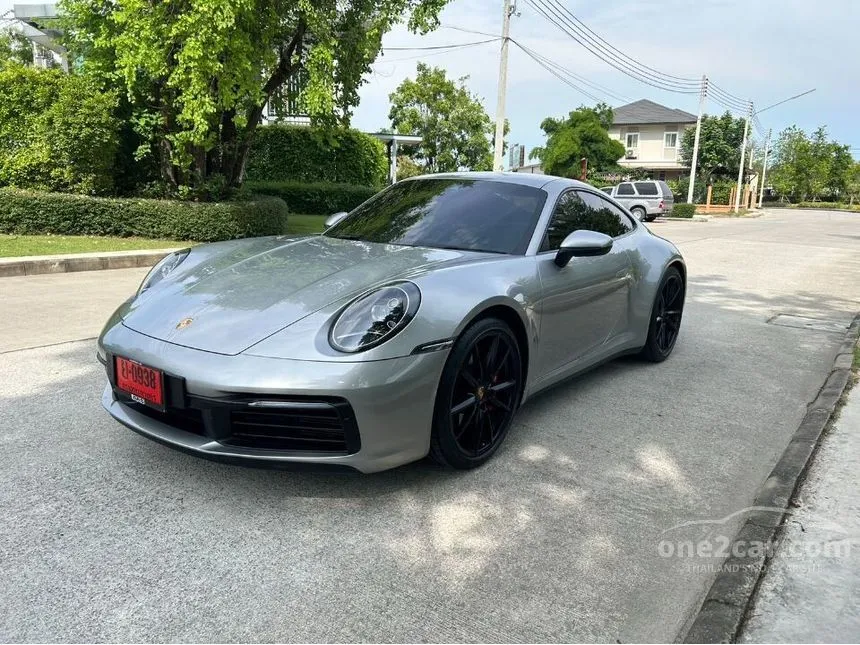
{"x": 392, "y": 141}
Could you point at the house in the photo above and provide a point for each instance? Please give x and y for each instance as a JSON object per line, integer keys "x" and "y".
{"x": 651, "y": 136}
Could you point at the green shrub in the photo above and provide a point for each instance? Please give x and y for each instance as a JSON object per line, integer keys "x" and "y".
{"x": 57, "y": 131}
{"x": 295, "y": 153}
{"x": 683, "y": 210}
{"x": 314, "y": 199}
{"x": 26, "y": 212}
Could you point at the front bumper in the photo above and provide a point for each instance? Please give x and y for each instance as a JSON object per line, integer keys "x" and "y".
{"x": 388, "y": 404}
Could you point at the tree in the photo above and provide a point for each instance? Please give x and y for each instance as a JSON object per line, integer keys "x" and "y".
{"x": 719, "y": 146}
{"x": 852, "y": 183}
{"x": 584, "y": 133}
{"x": 452, "y": 122}
{"x": 200, "y": 72}
{"x": 14, "y": 48}
{"x": 811, "y": 167}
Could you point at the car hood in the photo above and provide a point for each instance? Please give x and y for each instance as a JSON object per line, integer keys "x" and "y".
{"x": 229, "y": 297}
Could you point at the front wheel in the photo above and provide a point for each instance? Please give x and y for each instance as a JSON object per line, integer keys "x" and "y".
{"x": 478, "y": 395}
{"x": 665, "y": 317}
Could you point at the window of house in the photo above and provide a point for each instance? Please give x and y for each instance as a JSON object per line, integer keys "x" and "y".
{"x": 670, "y": 145}
{"x": 632, "y": 139}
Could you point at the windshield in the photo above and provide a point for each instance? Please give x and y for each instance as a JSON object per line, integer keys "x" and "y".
{"x": 465, "y": 214}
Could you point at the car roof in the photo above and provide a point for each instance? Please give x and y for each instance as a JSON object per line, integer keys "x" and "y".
{"x": 521, "y": 178}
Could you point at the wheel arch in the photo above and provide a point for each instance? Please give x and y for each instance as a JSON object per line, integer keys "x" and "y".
{"x": 516, "y": 320}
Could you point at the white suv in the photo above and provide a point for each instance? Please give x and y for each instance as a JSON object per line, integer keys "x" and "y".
{"x": 644, "y": 199}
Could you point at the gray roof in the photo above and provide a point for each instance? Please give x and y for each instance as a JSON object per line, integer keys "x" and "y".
{"x": 644, "y": 111}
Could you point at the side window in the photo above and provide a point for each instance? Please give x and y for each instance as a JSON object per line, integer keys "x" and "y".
{"x": 605, "y": 217}
{"x": 570, "y": 214}
{"x": 625, "y": 189}
{"x": 646, "y": 188}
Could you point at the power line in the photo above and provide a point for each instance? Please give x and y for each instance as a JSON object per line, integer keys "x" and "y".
{"x": 609, "y": 46}
{"x": 435, "y": 53}
{"x": 632, "y": 69}
{"x": 451, "y": 46}
{"x": 470, "y": 31}
{"x": 790, "y": 98}
{"x": 564, "y": 80}
{"x": 563, "y": 70}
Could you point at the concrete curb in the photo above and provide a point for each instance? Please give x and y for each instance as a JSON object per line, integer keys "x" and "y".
{"x": 724, "y": 609}
{"x": 694, "y": 218}
{"x": 38, "y": 264}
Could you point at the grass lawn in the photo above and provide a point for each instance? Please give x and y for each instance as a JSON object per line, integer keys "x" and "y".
{"x": 305, "y": 224}
{"x": 18, "y": 245}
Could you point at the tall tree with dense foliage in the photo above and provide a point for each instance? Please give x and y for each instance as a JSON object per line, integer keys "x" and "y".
{"x": 199, "y": 72}
{"x": 454, "y": 126}
{"x": 719, "y": 146}
{"x": 584, "y": 133}
{"x": 811, "y": 166}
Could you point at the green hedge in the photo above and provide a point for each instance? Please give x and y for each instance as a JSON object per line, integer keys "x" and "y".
{"x": 683, "y": 210}
{"x": 294, "y": 153}
{"x": 26, "y": 212}
{"x": 314, "y": 199}
{"x": 827, "y": 206}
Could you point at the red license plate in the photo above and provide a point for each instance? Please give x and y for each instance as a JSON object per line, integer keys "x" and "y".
{"x": 144, "y": 384}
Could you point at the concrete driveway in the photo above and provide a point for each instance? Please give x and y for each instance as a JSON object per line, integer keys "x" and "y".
{"x": 109, "y": 537}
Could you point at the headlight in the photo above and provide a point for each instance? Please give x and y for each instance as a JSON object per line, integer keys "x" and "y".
{"x": 161, "y": 270}
{"x": 375, "y": 318}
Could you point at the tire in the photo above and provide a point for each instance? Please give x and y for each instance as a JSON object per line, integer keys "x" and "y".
{"x": 650, "y": 218}
{"x": 639, "y": 213}
{"x": 484, "y": 367}
{"x": 666, "y": 313}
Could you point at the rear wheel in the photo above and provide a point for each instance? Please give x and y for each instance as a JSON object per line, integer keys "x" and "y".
{"x": 638, "y": 212}
{"x": 665, "y": 317}
{"x": 478, "y": 395}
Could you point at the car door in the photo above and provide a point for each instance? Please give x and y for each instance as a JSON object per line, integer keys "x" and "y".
{"x": 584, "y": 303}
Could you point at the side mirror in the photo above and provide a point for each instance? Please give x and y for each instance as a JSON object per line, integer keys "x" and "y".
{"x": 331, "y": 220}
{"x": 582, "y": 244}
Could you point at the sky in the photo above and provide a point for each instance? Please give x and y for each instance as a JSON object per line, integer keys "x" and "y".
{"x": 764, "y": 50}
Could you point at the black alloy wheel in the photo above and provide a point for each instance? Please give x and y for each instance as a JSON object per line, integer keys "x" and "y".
{"x": 478, "y": 395}
{"x": 665, "y": 317}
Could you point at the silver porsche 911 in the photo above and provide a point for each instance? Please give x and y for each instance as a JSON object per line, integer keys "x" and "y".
{"x": 416, "y": 324}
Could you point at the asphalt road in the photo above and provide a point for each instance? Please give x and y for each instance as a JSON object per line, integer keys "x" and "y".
{"x": 106, "y": 536}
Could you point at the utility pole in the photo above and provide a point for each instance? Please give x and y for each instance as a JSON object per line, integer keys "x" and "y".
{"x": 703, "y": 96}
{"x": 503, "y": 85}
{"x": 764, "y": 169}
{"x": 743, "y": 158}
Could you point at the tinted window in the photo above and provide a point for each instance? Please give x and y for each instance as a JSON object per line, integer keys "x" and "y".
{"x": 607, "y": 190}
{"x": 625, "y": 189}
{"x": 646, "y": 188}
{"x": 583, "y": 211}
{"x": 611, "y": 219}
{"x": 664, "y": 188}
{"x": 498, "y": 217}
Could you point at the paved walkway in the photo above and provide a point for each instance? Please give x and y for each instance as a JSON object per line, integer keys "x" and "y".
{"x": 811, "y": 590}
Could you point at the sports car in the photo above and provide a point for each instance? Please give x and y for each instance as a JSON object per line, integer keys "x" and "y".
{"x": 416, "y": 324}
